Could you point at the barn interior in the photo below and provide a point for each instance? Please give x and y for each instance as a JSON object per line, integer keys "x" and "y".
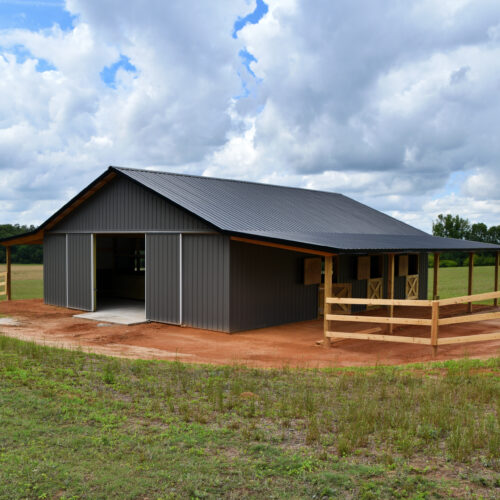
{"x": 120, "y": 272}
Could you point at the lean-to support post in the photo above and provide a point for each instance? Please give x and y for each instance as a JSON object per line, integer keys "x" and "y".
{"x": 8, "y": 260}
{"x": 328, "y": 293}
{"x": 435, "y": 326}
{"x": 390, "y": 288}
{"x": 471, "y": 276}
{"x": 435, "y": 287}
{"x": 497, "y": 258}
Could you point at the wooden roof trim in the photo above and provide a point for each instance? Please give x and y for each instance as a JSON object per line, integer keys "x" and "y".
{"x": 283, "y": 247}
{"x": 30, "y": 239}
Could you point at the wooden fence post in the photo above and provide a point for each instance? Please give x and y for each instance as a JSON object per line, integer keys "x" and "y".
{"x": 497, "y": 258}
{"x": 435, "y": 288}
{"x": 390, "y": 288}
{"x": 435, "y": 326}
{"x": 471, "y": 272}
{"x": 9, "y": 273}
{"x": 328, "y": 293}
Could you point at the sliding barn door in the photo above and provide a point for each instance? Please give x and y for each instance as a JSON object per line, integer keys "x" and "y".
{"x": 80, "y": 271}
{"x": 163, "y": 268}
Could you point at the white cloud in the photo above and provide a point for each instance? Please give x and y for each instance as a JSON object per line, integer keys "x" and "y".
{"x": 393, "y": 103}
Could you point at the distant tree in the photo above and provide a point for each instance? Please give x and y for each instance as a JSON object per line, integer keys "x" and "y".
{"x": 494, "y": 235}
{"x": 21, "y": 254}
{"x": 451, "y": 226}
{"x": 479, "y": 232}
{"x": 454, "y": 226}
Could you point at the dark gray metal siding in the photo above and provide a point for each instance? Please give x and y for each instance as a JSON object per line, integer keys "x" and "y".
{"x": 122, "y": 205}
{"x": 267, "y": 287}
{"x": 54, "y": 269}
{"x": 162, "y": 278}
{"x": 347, "y": 274}
{"x": 205, "y": 281}
{"x": 80, "y": 271}
{"x": 423, "y": 272}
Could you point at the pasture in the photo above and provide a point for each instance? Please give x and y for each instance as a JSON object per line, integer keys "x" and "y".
{"x": 78, "y": 425}
{"x": 27, "y": 281}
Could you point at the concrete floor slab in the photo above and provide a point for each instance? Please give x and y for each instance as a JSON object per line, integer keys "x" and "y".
{"x": 8, "y": 322}
{"x": 119, "y": 312}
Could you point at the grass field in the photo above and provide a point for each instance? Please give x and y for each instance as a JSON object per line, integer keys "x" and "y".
{"x": 75, "y": 425}
{"x": 27, "y": 281}
{"x": 453, "y": 281}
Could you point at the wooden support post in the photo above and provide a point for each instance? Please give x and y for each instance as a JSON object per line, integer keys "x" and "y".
{"x": 471, "y": 275}
{"x": 435, "y": 326}
{"x": 9, "y": 273}
{"x": 435, "y": 287}
{"x": 390, "y": 288}
{"x": 497, "y": 258}
{"x": 328, "y": 293}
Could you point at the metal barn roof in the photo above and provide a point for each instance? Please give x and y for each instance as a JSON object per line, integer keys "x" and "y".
{"x": 282, "y": 214}
{"x": 302, "y": 217}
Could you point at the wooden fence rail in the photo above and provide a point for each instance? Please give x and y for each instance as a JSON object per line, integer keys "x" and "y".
{"x": 3, "y": 284}
{"x": 435, "y": 322}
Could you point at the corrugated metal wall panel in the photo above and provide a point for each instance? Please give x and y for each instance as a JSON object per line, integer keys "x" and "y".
{"x": 80, "y": 271}
{"x": 347, "y": 274}
{"x": 205, "y": 281}
{"x": 400, "y": 287}
{"x": 122, "y": 205}
{"x": 54, "y": 269}
{"x": 423, "y": 271}
{"x": 162, "y": 278}
{"x": 267, "y": 287}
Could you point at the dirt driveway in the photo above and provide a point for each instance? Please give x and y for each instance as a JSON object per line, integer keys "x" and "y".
{"x": 292, "y": 345}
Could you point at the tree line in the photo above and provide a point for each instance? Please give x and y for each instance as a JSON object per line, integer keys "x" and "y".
{"x": 454, "y": 226}
{"x": 21, "y": 254}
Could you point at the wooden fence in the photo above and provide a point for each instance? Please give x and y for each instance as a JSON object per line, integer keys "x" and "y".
{"x": 3, "y": 284}
{"x": 434, "y": 322}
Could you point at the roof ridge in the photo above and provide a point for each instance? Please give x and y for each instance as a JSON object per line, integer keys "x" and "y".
{"x": 227, "y": 180}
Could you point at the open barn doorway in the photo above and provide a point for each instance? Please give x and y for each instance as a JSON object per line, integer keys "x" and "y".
{"x": 120, "y": 268}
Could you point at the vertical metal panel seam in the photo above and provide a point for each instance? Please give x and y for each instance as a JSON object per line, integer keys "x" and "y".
{"x": 92, "y": 282}
{"x": 67, "y": 271}
{"x": 146, "y": 264}
{"x": 180, "y": 278}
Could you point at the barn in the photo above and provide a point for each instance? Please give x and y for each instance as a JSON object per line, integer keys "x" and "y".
{"x": 225, "y": 255}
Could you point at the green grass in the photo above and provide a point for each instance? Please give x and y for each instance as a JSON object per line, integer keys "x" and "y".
{"x": 27, "y": 281}
{"x": 76, "y": 425}
{"x": 453, "y": 281}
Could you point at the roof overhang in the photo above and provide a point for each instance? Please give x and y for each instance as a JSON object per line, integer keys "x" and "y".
{"x": 332, "y": 243}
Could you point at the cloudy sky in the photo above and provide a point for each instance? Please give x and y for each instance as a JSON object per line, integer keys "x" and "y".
{"x": 395, "y": 103}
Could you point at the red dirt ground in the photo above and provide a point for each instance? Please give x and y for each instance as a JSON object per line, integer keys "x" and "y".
{"x": 286, "y": 345}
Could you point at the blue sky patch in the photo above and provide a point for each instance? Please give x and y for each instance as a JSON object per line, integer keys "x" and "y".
{"x": 44, "y": 65}
{"x": 253, "y": 18}
{"x": 247, "y": 59}
{"x": 108, "y": 74}
{"x": 34, "y": 15}
{"x": 23, "y": 54}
